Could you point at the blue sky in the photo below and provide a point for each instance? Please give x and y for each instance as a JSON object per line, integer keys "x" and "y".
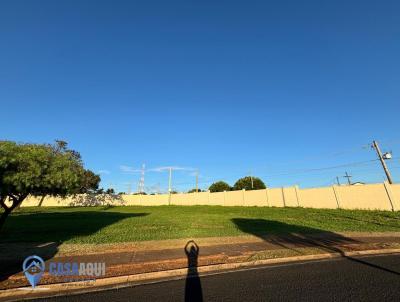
{"x": 272, "y": 87}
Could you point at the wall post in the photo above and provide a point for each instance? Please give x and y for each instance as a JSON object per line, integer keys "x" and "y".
{"x": 243, "y": 196}
{"x": 283, "y": 197}
{"x": 390, "y": 196}
{"x": 224, "y": 198}
{"x": 337, "y": 197}
{"x": 267, "y": 197}
{"x": 296, "y": 190}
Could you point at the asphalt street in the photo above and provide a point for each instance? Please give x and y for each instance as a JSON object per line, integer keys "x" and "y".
{"x": 375, "y": 278}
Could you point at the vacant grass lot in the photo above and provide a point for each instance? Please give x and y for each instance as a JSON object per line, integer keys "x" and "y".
{"x": 135, "y": 223}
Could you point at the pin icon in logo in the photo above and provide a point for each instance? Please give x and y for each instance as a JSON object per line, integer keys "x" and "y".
{"x": 33, "y": 268}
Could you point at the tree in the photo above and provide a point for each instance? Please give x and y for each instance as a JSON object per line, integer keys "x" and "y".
{"x": 249, "y": 183}
{"x": 110, "y": 191}
{"x": 194, "y": 191}
{"x": 140, "y": 193}
{"x": 38, "y": 170}
{"x": 219, "y": 186}
{"x": 90, "y": 182}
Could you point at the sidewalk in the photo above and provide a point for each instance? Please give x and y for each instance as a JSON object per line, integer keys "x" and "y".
{"x": 155, "y": 256}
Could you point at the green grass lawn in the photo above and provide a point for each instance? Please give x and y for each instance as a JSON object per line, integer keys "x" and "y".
{"x": 135, "y": 223}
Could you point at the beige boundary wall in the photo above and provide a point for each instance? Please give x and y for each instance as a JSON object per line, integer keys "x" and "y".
{"x": 380, "y": 196}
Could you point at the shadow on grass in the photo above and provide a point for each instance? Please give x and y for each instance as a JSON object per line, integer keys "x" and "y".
{"x": 290, "y": 236}
{"x": 41, "y": 233}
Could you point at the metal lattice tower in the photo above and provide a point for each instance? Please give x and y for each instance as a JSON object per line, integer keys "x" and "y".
{"x": 141, "y": 182}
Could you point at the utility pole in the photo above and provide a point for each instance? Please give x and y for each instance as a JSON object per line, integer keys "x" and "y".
{"x": 169, "y": 186}
{"x": 337, "y": 180}
{"x": 251, "y": 177}
{"x": 348, "y": 178}
{"x": 170, "y": 180}
{"x": 385, "y": 168}
{"x": 197, "y": 181}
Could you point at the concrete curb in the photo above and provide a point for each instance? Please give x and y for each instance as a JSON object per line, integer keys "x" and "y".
{"x": 73, "y": 288}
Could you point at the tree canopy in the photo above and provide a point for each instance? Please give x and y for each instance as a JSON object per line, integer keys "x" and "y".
{"x": 38, "y": 170}
{"x": 219, "y": 186}
{"x": 249, "y": 183}
{"x": 110, "y": 191}
{"x": 90, "y": 182}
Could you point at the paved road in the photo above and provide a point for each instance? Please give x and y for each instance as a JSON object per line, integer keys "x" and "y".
{"x": 374, "y": 278}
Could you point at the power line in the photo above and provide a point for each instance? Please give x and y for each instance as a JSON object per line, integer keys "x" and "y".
{"x": 323, "y": 168}
{"x": 284, "y": 173}
{"x": 304, "y": 171}
{"x": 297, "y": 172}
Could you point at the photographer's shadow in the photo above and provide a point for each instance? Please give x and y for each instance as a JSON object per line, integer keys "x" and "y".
{"x": 193, "y": 290}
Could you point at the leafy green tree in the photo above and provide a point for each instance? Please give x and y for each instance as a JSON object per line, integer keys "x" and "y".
{"x": 249, "y": 183}
{"x": 110, "y": 191}
{"x": 194, "y": 190}
{"x": 40, "y": 170}
{"x": 219, "y": 186}
{"x": 90, "y": 182}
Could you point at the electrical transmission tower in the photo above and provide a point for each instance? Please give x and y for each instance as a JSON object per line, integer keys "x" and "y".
{"x": 141, "y": 182}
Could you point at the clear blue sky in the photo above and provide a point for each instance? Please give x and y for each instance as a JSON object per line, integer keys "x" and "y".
{"x": 275, "y": 87}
